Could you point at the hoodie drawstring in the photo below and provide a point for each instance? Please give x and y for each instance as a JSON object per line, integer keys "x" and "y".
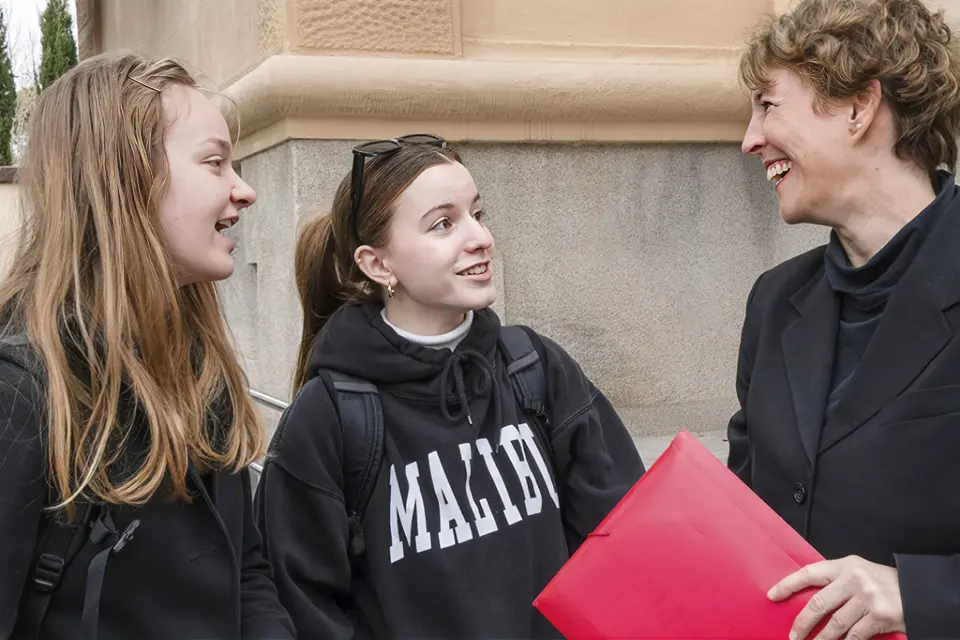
{"x": 485, "y": 382}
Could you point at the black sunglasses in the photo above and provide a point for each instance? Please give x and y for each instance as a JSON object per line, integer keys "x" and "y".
{"x": 379, "y": 148}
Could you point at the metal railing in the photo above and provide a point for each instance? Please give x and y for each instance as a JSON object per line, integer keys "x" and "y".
{"x": 268, "y": 401}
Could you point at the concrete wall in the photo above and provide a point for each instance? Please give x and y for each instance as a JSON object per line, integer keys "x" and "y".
{"x": 9, "y": 222}
{"x": 219, "y": 39}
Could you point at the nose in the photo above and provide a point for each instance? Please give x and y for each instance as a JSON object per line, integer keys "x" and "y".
{"x": 753, "y": 138}
{"x": 243, "y": 194}
{"x": 480, "y": 237}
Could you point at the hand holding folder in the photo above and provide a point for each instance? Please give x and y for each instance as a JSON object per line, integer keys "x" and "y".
{"x": 689, "y": 553}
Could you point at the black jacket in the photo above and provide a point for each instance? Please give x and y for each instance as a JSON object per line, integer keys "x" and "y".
{"x": 191, "y": 570}
{"x": 881, "y": 477}
{"x": 467, "y": 522}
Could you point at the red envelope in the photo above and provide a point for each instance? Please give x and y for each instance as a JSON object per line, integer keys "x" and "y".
{"x": 690, "y": 552}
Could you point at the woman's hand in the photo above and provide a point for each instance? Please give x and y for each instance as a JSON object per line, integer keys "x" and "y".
{"x": 864, "y": 598}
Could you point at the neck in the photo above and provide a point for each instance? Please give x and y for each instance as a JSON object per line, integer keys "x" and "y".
{"x": 885, "y": 205}
{"x": 420, "y": 321}
{"x": 448, "y": 340}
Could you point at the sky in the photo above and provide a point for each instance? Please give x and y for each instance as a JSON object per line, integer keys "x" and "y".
{"x": 23, "y": 20}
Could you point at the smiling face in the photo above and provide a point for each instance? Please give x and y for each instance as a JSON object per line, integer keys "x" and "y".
{"x": 440, "y": 252}
{"x": 204, "y": 194}
{"x": 807, "y": 153}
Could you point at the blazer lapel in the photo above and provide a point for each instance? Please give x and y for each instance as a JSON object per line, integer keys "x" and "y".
{"x": 808, "y": 349}
{"x": 912, "y": 331}
{"x": 212, "y": 504}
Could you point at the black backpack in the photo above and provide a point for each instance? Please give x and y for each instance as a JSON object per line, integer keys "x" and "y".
{"x": 361, "y": 420}
{"x": 59, "y": 542}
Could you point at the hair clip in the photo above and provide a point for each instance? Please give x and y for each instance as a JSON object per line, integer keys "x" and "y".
{"x": 143, "y": 84}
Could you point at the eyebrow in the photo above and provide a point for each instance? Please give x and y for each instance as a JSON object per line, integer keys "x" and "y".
{"x": 448, "y": 205}
{"x": 223, "y": 145}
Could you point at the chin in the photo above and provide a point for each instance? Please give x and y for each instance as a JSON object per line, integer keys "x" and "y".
{"x": 477, "y": 301}
{"x": 793, "y": 215}
{"x": 216, "y": 273}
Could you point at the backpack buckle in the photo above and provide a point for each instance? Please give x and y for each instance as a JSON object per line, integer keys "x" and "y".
{"x": 48, "y": 572}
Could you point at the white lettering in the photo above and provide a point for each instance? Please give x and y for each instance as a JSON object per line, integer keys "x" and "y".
{"x": 402, "y": 513}
{"x": 510, "y": 511}
{"x": 449, "y": 507}
{"x": 511, "y": 442}
{"x": 531, "y": 441}
{"x": 483, "y": 518}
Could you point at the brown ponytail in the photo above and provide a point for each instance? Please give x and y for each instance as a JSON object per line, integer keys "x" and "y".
{"x": 315, "y": 270}
{"x": 326, "y": 274}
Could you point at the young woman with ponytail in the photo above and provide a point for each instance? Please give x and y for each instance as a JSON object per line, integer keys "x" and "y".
{"x": 479, "y": 499}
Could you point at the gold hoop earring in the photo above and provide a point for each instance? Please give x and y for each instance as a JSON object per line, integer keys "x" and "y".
{"x": 390, "y": 290}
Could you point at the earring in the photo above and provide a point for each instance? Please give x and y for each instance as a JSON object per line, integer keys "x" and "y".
{"x": 859, "y": 126}
{"x": 390, "y": 290}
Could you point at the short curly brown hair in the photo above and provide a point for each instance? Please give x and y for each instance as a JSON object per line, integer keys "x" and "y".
{"x": 840, "y": 46}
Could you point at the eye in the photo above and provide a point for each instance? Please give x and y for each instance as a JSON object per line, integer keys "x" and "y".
{"x": 443, "y": 224}
{"x": 765, "y": 104}
{"x": 215, "y": 162}
{"x": 480, "y": 215}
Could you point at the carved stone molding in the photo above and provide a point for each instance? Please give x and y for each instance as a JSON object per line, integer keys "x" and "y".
{"x": 696, "y": 97}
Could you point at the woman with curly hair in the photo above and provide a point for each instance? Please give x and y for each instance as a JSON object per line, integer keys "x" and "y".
{"x": 849, "y": 368}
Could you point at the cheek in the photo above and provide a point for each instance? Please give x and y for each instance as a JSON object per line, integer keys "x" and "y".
{"x": 422, "y": 259}
{"x": 192, "y": 201}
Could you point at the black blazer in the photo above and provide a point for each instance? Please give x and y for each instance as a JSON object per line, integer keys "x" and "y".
{"x": 882, "y": 480}
{"x": 191, "y": 570}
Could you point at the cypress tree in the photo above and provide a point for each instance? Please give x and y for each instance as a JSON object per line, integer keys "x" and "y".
{"x": 58, "y": 50}
{"x": 8, "y": 95}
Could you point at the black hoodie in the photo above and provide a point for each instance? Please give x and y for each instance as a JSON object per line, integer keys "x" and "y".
{"x": 457, "y": 545}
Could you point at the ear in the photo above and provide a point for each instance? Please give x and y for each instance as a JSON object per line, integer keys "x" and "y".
{"x": 374, "y": 265}
{"x": 864, "y": 108}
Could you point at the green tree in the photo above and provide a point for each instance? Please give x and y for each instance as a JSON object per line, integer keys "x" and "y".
{"x": 8, "y": 95}
{"x": 58, "y": 50}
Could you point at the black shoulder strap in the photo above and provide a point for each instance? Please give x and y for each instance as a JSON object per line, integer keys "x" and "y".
{"x": 60, "y": 543}
{"x": 57, "y": 542}
{"x": 361, "y": 421}
{"x": 526, "y": 372}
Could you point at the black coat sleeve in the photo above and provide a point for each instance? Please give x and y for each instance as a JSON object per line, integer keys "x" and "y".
{"x": 302, "y": 518}
{"x": 262, "y": 616}
{"x": 930, "y": 591}
{"x": 22, "y": 485}
{"x": 597, "y": 460}
{"x": 738, "y": 459}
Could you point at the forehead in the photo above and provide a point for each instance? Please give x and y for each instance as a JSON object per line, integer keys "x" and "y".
{"x": 449, "y": 182}
{"x": 781, "y": 81}
{"x": 191, "y": 115}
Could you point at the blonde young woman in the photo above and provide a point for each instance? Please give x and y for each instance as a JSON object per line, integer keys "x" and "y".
{"x": 125, "y": 429}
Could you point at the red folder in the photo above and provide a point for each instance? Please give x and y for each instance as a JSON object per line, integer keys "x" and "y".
{"x": 690, "y": 552}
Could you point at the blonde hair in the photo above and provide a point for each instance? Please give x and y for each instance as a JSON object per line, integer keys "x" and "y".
{"x": 93, "y": 286}
{"x": 840, "y": 46}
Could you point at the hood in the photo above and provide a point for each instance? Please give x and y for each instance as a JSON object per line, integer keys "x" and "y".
{"x": 356, "y": 341}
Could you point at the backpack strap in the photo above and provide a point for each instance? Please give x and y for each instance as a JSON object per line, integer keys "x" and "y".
{"x": 58, "y": 542}
{"x": 361, "y": 421}
{"x": 61, "y": 542}
{"x": 526, "y": 373}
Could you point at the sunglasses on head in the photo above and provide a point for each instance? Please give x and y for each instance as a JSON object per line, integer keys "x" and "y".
{"x": 373, "y": 149}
